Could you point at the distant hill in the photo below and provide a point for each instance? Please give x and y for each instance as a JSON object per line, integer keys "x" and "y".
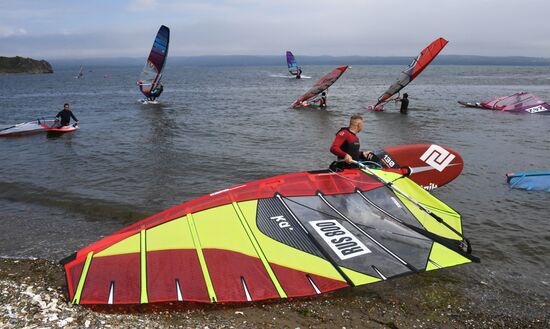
{"x": 24, "y": 65}
{"x": 240, "y": 60}
{"x": 280, "y": 60}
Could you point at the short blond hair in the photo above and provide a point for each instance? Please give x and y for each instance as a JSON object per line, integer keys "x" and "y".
{"x": 354, "y": 118}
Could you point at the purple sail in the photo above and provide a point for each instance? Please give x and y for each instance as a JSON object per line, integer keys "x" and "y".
{"x": 291, "y": 62}
{"x": 520, "y": 102}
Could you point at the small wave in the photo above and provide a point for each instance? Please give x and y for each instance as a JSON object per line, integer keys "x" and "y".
{"x": 17, "y": 257}
{"x": 31, "y": 194}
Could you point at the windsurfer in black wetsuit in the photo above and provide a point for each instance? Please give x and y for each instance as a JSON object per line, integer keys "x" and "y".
{"x": 323, "y": 100}
{"x": 346, "y": 145}
{"x": 299, "y": 73}
{"x": 404, "y": 103}
{"x": 64, "y": 116}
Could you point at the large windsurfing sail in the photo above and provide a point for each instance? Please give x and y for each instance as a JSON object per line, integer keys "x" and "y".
{"x": 537, "y": 181}
{"x": 151, "y": 75}
{"x": 293, "y": 235}
{"x": 522, "y": 102}
{"x": 413, "y": 70}
{"x": 291, "y": 63}
{"x": 323, "y": 84}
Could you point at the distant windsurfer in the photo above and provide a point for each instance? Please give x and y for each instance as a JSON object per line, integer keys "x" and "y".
{"x": 322, "y": 100}
{"x": 64, "y": 116}
{"x": 404, "y": 103}
{"x": 299, "y": 73}
{"x": 151, "y": 94}
{"x": 346, "y": 145}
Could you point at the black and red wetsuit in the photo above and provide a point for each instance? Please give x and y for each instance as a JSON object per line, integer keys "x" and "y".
{"x": 346, "y": 142}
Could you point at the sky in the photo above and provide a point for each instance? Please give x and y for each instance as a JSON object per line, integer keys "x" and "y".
{"x": 126, "y": 28}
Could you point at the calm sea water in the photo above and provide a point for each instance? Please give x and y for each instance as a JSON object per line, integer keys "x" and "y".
{"x": 217, "y": 127}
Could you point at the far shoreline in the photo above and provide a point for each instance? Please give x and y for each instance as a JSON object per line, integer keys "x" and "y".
{"x": 279, "y": 60}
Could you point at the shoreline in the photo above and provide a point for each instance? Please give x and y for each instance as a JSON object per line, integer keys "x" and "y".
{"x": 33, "y": 295}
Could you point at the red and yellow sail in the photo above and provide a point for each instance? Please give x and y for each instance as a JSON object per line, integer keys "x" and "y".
{"x": 293, "y": 235}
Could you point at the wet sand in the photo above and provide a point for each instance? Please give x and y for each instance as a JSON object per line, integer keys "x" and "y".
{"x": 32, "y": 294}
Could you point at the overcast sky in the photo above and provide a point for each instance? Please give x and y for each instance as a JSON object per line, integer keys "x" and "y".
{"x": 126, "y": 28}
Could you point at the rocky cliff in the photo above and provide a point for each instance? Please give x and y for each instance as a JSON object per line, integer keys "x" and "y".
{"x": 23, "y": 65}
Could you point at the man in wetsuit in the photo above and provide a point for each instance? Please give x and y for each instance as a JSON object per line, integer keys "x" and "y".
{"x": 404, "y": 103}
{"x": 323, "y": 100}
{"x": 346, "y": 145}
{"x": 299, "y": 74}
{"x": 64, "y": 116}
